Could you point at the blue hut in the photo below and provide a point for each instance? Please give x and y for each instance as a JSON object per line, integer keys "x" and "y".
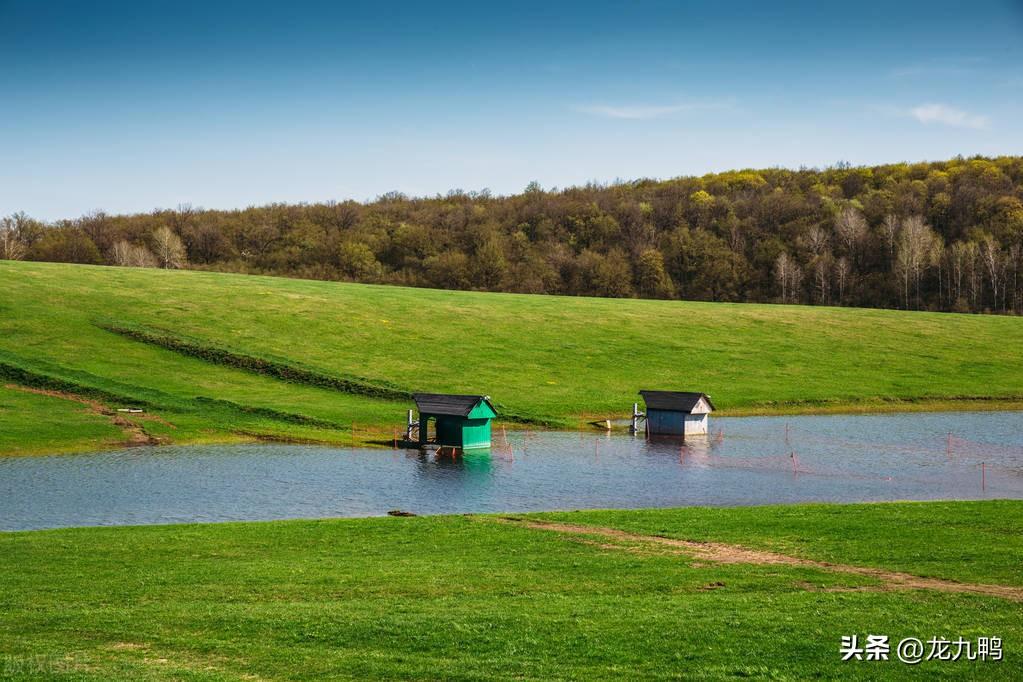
{"x": 677, "y": 413}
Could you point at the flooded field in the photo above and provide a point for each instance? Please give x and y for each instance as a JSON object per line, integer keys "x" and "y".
{"x": 744, "y": 461}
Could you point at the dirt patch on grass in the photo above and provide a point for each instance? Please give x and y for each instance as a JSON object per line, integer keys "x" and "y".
{"x": 134, "y": 433}
{"x": 734, "y": 554}
{"x": 127, "y": 646}
{"x": 195, "y": 662}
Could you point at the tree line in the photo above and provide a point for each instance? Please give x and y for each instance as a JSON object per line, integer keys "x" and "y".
{"x": 944, "y": 236}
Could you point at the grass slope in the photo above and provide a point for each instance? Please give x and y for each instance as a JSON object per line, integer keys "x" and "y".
{"x": 219, "y": 355}
{"x": 55, "y": 423}
{"x": 469, "y": 598}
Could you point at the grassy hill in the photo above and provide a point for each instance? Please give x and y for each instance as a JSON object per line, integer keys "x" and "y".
{"x": 215, "y": 356}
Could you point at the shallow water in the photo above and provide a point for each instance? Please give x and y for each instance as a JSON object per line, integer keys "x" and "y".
{"x": 754, "y": 460}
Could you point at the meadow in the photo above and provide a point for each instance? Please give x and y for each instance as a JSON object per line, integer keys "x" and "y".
{"x": 218, "y": 357}
{"x": 486, "y": 597}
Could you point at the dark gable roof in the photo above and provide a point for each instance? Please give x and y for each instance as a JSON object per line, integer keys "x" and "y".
{"x": 676, "y": 401}
{"x": 443, "y": 403}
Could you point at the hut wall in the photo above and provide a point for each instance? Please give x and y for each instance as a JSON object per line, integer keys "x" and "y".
{"x": 696, "y": 424}
{"x": 476, "y": 433}
{"x": 449, "y": 430}
{"x": 665, "y": 422}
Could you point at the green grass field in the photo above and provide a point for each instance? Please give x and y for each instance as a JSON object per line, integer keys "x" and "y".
{"x": 474, "y": 598}
{"x": 215, "y": 356}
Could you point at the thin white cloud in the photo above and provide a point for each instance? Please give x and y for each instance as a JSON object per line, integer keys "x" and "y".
{"x": 946, "y": 115}
{"x": 642, "y": 112}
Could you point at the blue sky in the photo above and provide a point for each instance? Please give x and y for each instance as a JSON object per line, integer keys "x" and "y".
{"x": 130, "y": 106}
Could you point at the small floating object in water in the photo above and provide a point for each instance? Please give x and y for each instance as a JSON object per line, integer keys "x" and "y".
{"x": 399, "y": 512}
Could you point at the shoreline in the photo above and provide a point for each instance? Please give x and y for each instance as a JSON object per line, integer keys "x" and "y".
{"x": 376, "y": 440}
{"x": 504, "y": 517}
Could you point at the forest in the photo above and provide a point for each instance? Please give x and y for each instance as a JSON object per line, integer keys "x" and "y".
{"x": 942, "y": 236}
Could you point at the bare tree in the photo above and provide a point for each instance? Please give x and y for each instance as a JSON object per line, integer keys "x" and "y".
{"x": 167, "y": 246}
{"x": 796, "y": 282}
{"x": 991, "y": 257}
{"x": 956, "y": 269}
{"x": 11, "y": 246}
{"x": 1015, "y": 251}
{"x": 816, "y": 240}
{"x": 890, "y": 231}
{"x": 851, "y": 230}
{"x": 915, "y": 251}
{"x": 130, "y": 255}
{"x": 843, "y": 273}
{"x": 182, "y": 216}
{"x": 935, "y": 258}
{"x": 736, "y": 238}
{"x": 822, "y": 277}
{"x": 783, "y": 274}
{"x": 98, "y": 225}
{"x": 120, "y": 252}
{"x": 17, "y": 233}
{"x": 789, "y": 276}
{"x": 974, "y": 276}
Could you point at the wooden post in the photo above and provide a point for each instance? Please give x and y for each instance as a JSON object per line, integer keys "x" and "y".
{"x": 795, "y": 463}
{"x": 948, "y": 445}
{"x": 983, "y": 476}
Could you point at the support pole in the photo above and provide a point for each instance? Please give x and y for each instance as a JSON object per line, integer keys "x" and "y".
{"x": 636, "y": 416}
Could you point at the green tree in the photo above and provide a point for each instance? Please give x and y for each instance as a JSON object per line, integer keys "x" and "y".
{"x": 358, "y": 262}
{"x": 66, "y": 245}
{"x": 651, "y": 278}
{"x": 448, "y": 270}
{"x": 488, "y": 266}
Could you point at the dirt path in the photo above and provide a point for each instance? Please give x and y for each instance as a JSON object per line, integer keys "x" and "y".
{"x": 734, "y": 554}
{"x": 134, "y": 433}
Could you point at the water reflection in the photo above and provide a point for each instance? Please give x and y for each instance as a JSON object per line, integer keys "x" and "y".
{"x": 449, "y": 466}
{"x": 744, "y": 461}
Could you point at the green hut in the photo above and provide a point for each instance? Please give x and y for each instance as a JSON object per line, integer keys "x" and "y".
{"x": 462, "y": 421}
